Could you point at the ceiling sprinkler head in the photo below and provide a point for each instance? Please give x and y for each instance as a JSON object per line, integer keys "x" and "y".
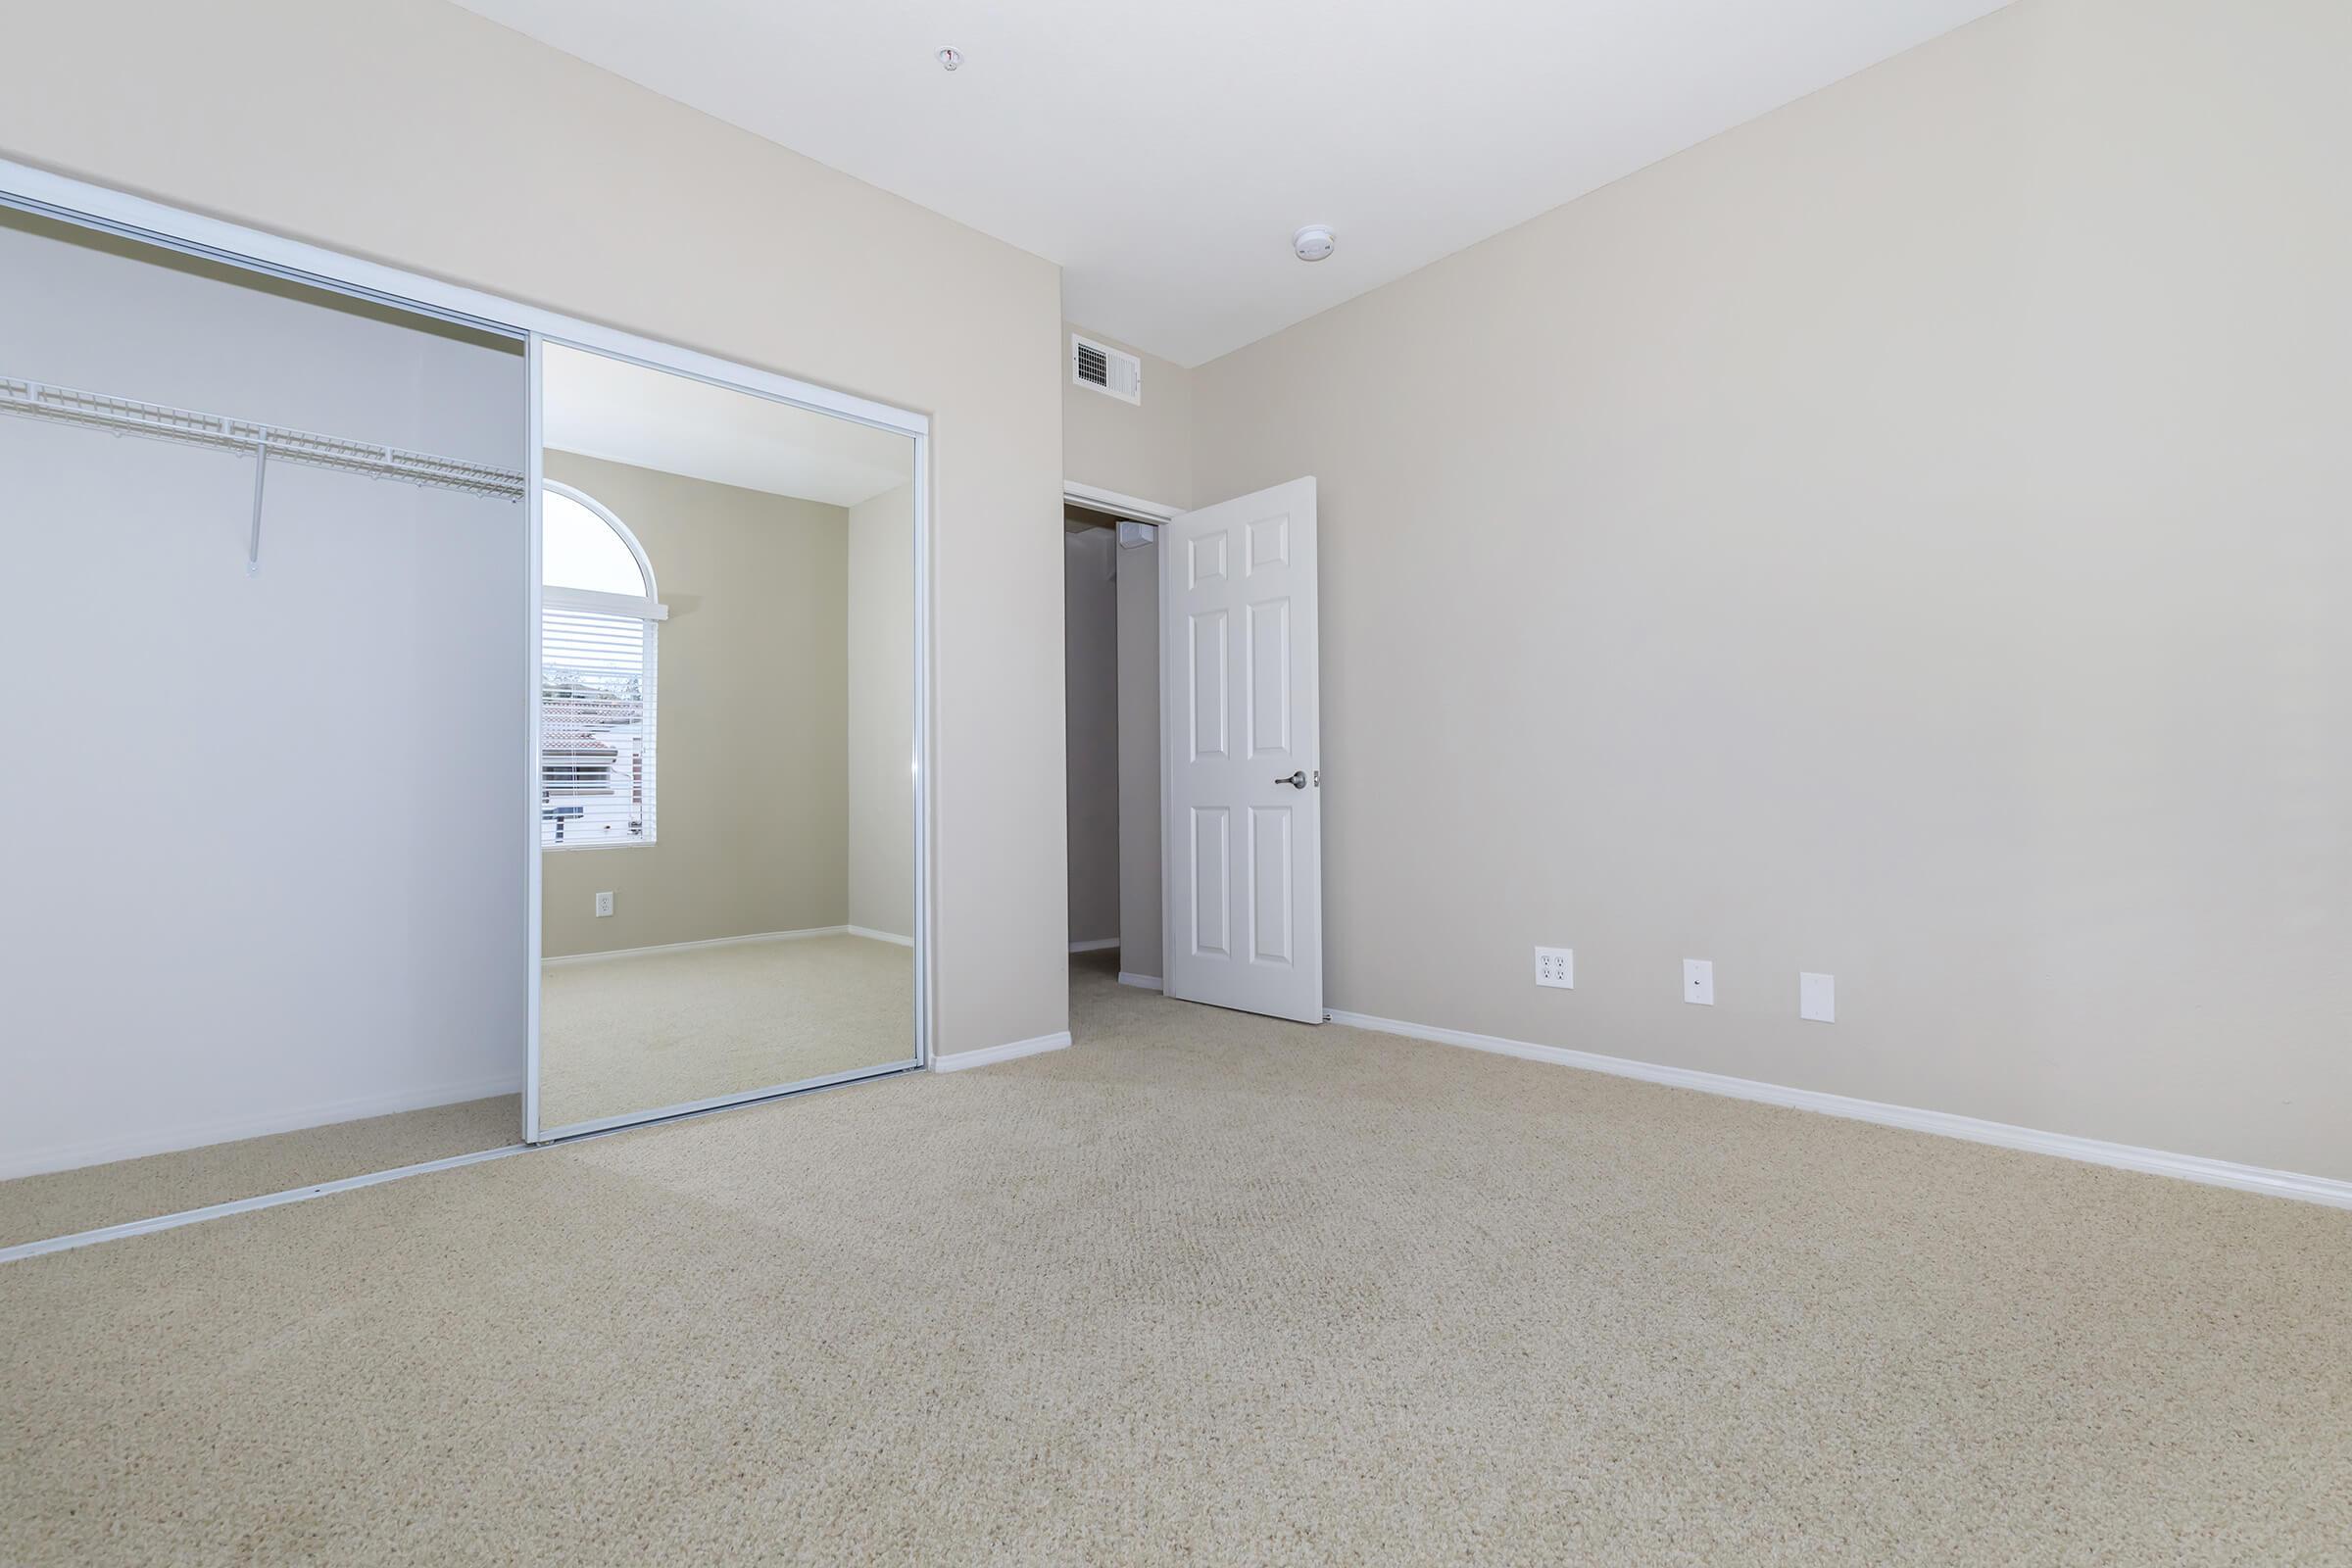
{"x": 1314, "y": 242}
{"x": 949, "y": 58}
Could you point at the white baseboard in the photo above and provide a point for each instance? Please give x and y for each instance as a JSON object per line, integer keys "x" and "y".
{"x": 1095, "y": 945}
{"x": 226, "y": 1130}
{"x": 988, "y": 1056}
{"x": 2092, "y": 1151}
{"x": 1149, "y": 982}
{"x": 873, "y": 935}
{"x": 802, "y": 935}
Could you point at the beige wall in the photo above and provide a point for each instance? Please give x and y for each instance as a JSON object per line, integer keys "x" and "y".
{"x": 455, "y": 147}
{"x": 1091, "y": 705}
{"x": 750, "y": 723}
{"x": 1143, "y": 450}
{"x": 881, "y": 784}
{"x": 1904, "y": 537}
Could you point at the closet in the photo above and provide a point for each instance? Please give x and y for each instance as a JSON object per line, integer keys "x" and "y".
{"x": 431, "y": 733}
{"x": 267, "y": 545}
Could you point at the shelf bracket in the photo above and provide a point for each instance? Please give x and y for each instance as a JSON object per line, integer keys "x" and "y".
{"x": 253, "y": 542}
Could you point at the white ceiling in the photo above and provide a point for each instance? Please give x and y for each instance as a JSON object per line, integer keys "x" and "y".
{"x": 625, "y": 412}
{"x": 1164, "y": 153}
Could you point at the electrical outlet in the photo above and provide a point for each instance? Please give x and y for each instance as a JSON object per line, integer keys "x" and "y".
{"x": 1556, "y": 966}
{"x": 604, "y": 905}
{"x": 1817, "y": 998}
{"x": 1698, "y": 981}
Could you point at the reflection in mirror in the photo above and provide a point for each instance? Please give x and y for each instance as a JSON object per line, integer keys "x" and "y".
{"x": 725, "y": 795}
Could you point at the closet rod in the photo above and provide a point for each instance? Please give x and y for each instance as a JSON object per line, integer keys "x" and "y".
{"x": 129, "y": 416}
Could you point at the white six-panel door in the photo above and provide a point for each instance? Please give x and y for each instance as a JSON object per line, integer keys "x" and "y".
{"x": 1242, "y": 801}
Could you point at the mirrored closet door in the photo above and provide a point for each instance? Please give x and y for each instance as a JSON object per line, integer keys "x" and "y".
{"x": 724, "y": 799}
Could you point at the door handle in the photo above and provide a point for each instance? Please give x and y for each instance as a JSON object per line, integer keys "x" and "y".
{"x": 1296, "y": 781}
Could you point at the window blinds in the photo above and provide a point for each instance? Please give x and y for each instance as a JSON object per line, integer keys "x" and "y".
{"x": 596, "y": 730}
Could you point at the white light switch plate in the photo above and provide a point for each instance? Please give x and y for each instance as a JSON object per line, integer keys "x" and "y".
{"x": 1556, "y": 966}
{"x": 1817, "y": 998}
{"x": 1698, "y": 981}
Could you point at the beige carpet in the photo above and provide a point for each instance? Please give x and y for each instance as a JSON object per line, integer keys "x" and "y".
{"x": 671, "y": 1028}
{"x": 1205, "y": 1290}
{"x": 35, "y": 1209}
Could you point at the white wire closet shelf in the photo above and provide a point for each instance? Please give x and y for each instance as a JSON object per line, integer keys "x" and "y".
{"x": 280, "y": 443}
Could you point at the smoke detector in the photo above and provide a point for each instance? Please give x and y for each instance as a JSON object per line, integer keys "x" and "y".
{"x": 1314, "y": 242}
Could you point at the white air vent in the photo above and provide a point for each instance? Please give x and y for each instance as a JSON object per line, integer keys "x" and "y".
{"x": 1106, "y": 368}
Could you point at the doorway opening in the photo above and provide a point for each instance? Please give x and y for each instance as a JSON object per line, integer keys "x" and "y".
{"x": 1111, "y": 673}
{"x": 1194, "y": 725}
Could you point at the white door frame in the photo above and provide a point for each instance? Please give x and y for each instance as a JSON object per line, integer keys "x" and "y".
{"x": 90, "y": 206}
{"x": 1133, "y": 508}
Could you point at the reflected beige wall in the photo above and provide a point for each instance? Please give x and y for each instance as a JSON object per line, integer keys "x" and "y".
{"x": 881, "y": 697}
{"x": 752, "y": 736}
